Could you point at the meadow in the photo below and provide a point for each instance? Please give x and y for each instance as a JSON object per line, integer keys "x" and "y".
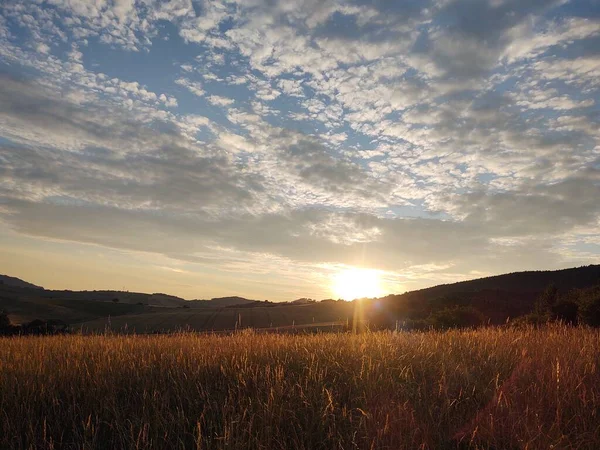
{"x": 222, "y": 319}
{"x": 494, "y": 388}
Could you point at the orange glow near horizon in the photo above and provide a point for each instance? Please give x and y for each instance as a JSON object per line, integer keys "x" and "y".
{"x": 351, "y": 283}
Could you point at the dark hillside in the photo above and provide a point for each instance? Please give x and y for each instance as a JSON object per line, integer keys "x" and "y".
{"x": 221, "y": 302}
{"x": 26, "y": 304}
{"x": 117, "y": 296}
{"x": 486, "y": 300}
{"x": 530, "y": 281}
{"x": 17, "y": 282}
{"x": 497, "y": 298}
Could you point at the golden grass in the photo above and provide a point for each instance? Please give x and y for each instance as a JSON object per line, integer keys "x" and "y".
{"x": 492, "y": 388}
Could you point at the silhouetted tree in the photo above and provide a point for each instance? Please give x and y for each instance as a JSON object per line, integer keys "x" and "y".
{"x": 565, "y": 311}
{"x": 543, "y": 305}
{"x": 550, "y": 296}
{"x": 456, "y": 317}
{"x": 589, "y": 307}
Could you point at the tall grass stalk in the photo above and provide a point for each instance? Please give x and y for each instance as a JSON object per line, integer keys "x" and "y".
{"x": 488, "y": 389}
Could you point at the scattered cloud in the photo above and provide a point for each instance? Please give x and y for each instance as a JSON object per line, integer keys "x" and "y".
{"x": 441, "y": 138}
{"x": 217, "y": 100}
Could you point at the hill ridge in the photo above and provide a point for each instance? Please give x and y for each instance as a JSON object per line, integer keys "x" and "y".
{"x": 561, "y": 278}
{"x": 7, "y": 280}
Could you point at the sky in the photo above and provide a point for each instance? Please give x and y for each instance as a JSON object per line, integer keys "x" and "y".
{"x": 264, "y": 147}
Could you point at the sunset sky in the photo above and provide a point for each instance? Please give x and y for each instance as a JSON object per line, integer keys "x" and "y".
{"x": 263, "y": 147}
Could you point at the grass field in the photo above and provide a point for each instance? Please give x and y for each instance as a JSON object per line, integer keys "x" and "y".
{"x": 222, "y": 319}
{"x": 492, "y": 388}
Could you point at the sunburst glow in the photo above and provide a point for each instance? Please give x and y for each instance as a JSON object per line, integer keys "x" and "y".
{"x": 352, "y": 283}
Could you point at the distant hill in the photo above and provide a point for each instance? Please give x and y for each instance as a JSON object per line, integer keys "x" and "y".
{"x": 124, "y": 297}
{"x": 302, "y": 301}
{"x": 17, "y": 282}
{"x": 498, "y": 298}
{"x": 528, "y": 281}
{"x": 27, "y": 304}
{"x": 166, "y": 300}
{"x": 220, "y": 302}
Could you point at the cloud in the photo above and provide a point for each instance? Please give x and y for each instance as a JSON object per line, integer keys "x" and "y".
{"x": 217, "y": 100}
{"x": 291, "y": 87}
{"x": 119, "y": 22}
{"x": 121, "y": 161}
{"x": 193, "y": 86}
{"x": 305, "y": 237}
{"x": 37, "y": 115}
{"x": 445, "y": 136}
{"x": 310, "y": 161}
{"x": 582, "y": 71}
{"x": 538, "y": 209}
{"x": 163, "y": 190}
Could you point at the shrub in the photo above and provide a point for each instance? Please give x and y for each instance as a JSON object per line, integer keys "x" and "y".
{"x": 550, "y": 296}
{"x": 589, "y": 309}
{"x": 566, "y": 311}
{"x": 45, "y": 327}
{"x": 456, "y": 317}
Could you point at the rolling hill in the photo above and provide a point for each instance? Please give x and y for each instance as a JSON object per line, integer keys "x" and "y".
{"x": 17, "y": 282}
{"x": 496, "y": 298}
{"x": 25, "y": 302}
{"x": 220, "y": 302}
{"x": 529, "y": 281}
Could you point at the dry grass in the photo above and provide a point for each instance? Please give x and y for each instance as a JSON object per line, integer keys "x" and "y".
{"x": 493, "y": 388}
{"x": 217, "y": 319}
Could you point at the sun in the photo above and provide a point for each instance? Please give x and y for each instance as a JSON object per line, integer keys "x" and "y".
{"x": 352, "y": 283}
